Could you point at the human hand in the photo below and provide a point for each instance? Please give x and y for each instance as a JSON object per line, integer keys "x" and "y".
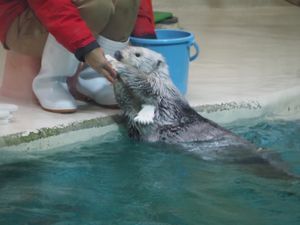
{"x": 113, "y": 62}
{"x": 100, "y": 64}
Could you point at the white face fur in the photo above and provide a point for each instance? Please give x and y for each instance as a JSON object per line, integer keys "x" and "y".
{"x": 143, "y": 59}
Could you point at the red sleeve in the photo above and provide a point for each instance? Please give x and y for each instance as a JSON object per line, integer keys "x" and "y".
{"x": 9, "y": 10}
{"x": 62, "y": 19}
{"x": 145, "y": 26}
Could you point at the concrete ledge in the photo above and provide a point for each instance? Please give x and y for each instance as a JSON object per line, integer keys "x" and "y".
{"x": 283, "y": 105}
{"x": 40, "y": 147}
{"x": 27, "y": 137}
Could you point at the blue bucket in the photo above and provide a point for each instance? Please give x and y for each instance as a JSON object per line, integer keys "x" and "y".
{"x": 175, "y": 46}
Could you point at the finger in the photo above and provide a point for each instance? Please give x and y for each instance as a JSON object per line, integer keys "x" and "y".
{"x": 106, "y": 70}
{"x": 110, "y": 70}
{"x": 107, "y": 75}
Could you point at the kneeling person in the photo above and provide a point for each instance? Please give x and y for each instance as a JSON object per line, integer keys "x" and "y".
{"x": 65, "y": 33}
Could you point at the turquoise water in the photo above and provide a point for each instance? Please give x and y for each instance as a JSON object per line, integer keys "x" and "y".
{"x": 113, "y": 180}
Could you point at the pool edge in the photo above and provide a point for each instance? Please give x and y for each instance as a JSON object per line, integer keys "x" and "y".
{"x": 46, "y": 132}
{"x": 222, "y": 112}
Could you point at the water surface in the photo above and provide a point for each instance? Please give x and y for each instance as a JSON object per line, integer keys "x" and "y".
{"x": 112, "y": 180}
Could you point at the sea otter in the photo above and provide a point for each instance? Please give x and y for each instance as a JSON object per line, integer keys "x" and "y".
{"x": 156, "y": 111}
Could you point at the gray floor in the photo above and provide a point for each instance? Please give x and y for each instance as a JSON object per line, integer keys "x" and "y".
{"x": 250, "y": 53}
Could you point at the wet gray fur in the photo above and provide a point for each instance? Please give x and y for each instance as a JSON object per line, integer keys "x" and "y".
{"x": 143, "y": 78}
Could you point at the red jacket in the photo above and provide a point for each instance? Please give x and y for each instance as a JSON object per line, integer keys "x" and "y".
{"x": 144, "y": 25}
{"x": 62, "y": 19}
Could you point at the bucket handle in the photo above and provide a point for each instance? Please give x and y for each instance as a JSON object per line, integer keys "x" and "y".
{"x": 195, "y": 45}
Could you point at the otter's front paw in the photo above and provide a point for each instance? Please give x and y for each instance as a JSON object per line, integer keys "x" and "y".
{"x": 145, "y": 115}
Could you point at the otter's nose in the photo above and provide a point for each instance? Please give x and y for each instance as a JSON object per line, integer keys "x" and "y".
{"x": 118, "y": 55}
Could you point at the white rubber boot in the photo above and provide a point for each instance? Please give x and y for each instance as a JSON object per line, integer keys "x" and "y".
{"x": 49, "y": 85}
{"x": 92, "y": 84}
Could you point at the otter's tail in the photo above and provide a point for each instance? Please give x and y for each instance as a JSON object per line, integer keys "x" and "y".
{"x": 269, "y": 164}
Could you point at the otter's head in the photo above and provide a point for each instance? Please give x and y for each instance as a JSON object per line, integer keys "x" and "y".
{"x": 144, "y": 60}
{"x": 145, "y": 73}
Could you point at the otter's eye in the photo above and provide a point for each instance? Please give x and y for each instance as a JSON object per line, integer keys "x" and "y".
{"x": 137, "y": 54}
